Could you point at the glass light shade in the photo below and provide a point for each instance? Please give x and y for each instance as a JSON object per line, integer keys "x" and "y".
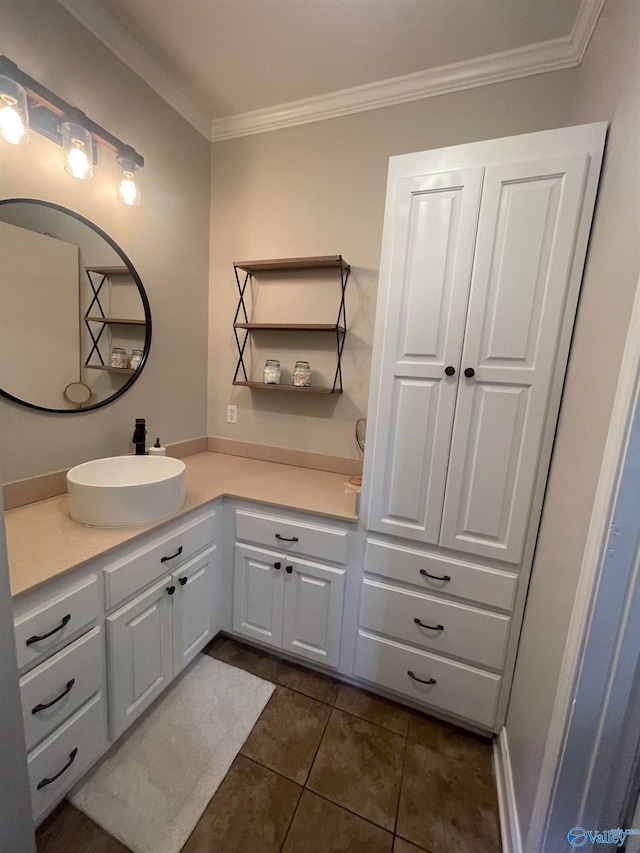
{"x": 129, "y": 186}
{"x": 14, "y": 113}
{"x": 77, "y": 148}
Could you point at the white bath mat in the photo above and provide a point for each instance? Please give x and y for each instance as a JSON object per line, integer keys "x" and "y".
{"x": 152, "y": 790}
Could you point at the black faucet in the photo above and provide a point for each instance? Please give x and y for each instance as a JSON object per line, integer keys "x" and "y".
{"x": 139, "y": 436}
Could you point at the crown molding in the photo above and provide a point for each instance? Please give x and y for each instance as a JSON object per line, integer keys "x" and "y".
{"x": 553, "y": 55}
{"x": 104, "y": 27}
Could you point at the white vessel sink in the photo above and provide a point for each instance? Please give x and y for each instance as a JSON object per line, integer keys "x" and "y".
{"x": 123, "y": 490}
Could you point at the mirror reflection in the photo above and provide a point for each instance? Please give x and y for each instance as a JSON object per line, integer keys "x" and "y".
{"x": 75, "y": 325}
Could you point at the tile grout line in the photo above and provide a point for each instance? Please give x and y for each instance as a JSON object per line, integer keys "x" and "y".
{"x": 404, "y": 761}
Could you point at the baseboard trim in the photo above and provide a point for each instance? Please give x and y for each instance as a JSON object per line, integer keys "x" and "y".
{"x": 509, "y": 823}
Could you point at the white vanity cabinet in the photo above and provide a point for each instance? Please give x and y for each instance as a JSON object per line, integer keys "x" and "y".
{"x": 284, "y": 599}
{"x": 152, "y": 637}
{"x": 60, "y": 649}
{"x": 482, "y": 258}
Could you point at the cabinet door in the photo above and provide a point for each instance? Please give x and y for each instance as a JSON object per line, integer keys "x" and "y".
{"x": 257, "y": 595}
{"x": 426, "y": 283}
{"x": 140, "y": 654}
{"x": 313, "y": 596}
{"x": 526, "y": 236}
{"x": 192, "y": 603}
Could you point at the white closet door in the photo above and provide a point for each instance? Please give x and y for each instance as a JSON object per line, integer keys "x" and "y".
{"x": 435, "y": 220}
{"x": 526, "y": 235}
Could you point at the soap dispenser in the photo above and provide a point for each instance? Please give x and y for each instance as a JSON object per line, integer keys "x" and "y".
{"x": 157, "y": 449}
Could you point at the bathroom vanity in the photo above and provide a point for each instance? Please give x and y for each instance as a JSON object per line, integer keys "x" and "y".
{"x": 105, "y": 619}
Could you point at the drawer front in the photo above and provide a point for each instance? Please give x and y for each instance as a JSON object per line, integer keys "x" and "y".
{"x": 128, "y": 576}
{"x": 492, "y": 587}
{"x": 459, "y": 689}
{"x": 57, "y": 764}
{"x": 58, "y": 687}
{"x": 46, "y": 628}
{"x": 454, "y": 629}
{"x": 293, "y": 537}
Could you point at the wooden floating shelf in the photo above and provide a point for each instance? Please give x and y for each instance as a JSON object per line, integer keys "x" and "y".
{"x": 305, "y": 389}
{"x": 322, "y": 262}
{"x": 110, "y": 270}
{"x": 127, "y": 370}
{"x": 118, "y": 321}
{"x": 289, "y": 327}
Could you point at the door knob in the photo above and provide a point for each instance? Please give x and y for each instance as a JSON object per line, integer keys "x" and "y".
{"x": 469, "y": 372}
{"x": 450, "y": 370}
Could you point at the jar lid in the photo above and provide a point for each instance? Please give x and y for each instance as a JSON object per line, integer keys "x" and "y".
{"x": 302, "y": 364}
{"x": 273, "y": 362}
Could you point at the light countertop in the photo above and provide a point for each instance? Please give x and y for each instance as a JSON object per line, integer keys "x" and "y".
{"x": 44, "y": 542}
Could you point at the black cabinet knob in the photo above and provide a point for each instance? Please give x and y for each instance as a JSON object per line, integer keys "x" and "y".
{"x": 450, "y": 370}
{"x": 182, "y": 581}
{"x": 469, "y": 372}
{"x": 277, "y": 565}
{"x": 288, "y": 569}
{"x": 171, "y": 589}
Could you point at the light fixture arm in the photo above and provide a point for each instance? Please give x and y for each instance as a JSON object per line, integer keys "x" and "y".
{"x": 57, "y": 108}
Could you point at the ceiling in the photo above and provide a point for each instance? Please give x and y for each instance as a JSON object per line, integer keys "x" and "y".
{"x": 229, "y": 64}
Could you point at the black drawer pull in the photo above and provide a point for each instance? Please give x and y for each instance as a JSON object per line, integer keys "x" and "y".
{"x": 421, "y": 680}
{"x": 171, "y": 589}
{"x": 277, "y": 565}
{"x": 46, "y": 705}
{"x": 289, "y": 569}
{"x": 183, "y": 581}
{"x": 435, "y": 577}
{"x": 173, "y": 556}
{"x": 65, "y": 621}
{"x": 284, "y": 538}
{"x": 431, "y": 627}
{"x": 45, "y": 782}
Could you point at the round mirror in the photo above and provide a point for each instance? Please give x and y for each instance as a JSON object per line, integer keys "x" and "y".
{"x": 75, "y": 324}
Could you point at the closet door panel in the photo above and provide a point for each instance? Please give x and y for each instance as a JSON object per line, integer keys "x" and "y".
{"x": 528, "y": 221}
{"x": 435, "y": 218}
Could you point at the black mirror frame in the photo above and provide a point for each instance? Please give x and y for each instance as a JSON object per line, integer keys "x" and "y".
{"x": 141, "y": 291}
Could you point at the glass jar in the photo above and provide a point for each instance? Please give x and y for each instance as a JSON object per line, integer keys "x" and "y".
{"x": 118, "y": 357}
{"x": 272, "y": 372}
{"x": 302, "y": 374}
{"x": 136, "y": 358}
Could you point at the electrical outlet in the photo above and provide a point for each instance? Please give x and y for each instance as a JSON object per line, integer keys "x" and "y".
{"x": 232, "y": 414}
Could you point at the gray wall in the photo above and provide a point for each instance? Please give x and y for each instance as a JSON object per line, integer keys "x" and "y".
{"x": 608, "y": 88}
{"x": 319, "y": 189}
{"x": 166, "y": 238}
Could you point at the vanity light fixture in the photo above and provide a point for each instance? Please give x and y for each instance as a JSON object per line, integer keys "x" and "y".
{"x": 14, "y": 114}
{"x": 129, "y": 187}
{"x": 77, "y": 148}
{"x": 24, "y": 102}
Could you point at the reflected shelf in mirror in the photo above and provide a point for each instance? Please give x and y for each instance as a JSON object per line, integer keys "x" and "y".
{"x": 52, "y": 252}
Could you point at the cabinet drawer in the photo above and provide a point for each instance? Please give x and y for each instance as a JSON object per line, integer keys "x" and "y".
{"x": 57, "y": 764}
{"x": 493, "y": 587}
{"x": 44, "y": 629}
{"x": 466, "y": 632}
{"x": 459, "y": 689}
{"x": 126, "y": 577}
{"x": 63, "y": 683}
{"x": 293, "y": 537}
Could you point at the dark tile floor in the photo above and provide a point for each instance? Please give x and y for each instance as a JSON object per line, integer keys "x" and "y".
{"x": 329, "y": 768}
